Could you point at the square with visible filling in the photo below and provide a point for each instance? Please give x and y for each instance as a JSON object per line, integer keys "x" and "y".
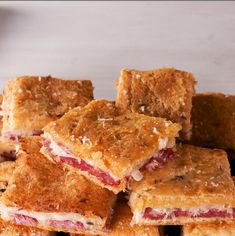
{"x": 30, "y": 102}
{"x": 165, "y": 92}
{"x": 107, "y": 145}
{"x": 43, "y": 195}
{"x": 195, "y": 187}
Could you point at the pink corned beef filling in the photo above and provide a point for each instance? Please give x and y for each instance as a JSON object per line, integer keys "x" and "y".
{"x": 20, "y": 219}
{"x": 68, "y": 224}
{"x": 104, "y": 177}
{"x": 149, "y": 213}
{"x": 158, "y": 160}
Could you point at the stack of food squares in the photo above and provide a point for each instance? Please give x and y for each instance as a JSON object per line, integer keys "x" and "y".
{"x": 76, "y": 156}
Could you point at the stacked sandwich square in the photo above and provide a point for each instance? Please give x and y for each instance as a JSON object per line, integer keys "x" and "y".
{"x": 107, "y": 145}
{"x": 76, "y": 157}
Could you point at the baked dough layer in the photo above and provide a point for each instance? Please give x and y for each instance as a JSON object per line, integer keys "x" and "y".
{"x": 165, "y": 92}
{"x": 30, "y": 102}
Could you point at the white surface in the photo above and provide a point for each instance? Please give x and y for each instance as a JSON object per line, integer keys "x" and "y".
{"x": 94, "y": 40}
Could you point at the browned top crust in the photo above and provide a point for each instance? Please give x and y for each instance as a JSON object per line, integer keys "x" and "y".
{"x": 29, "y": 145}
{"x": 115, "y": 141}
{"x": 197, "y": 177}
{"x": 217, "y": 228}
{"x": 39, "y": 185}
{"x": 30, "y": 102}
{"x": 165, "y": 92}
{"x": 7, "y": 229}
{"x": 6, "y": 170}
{"x": 120, "y": 224}
{"x": 213, "y": 117}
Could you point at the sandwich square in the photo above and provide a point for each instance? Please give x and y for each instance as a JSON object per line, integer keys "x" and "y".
{"x": 216, "y": 228}
{"x": 213, "y": 117}
{"x": 107, "y": 145}
{"x": 195, "y": 187}
{"x": 165, "y": 92}
{"x": 41, "y": 194}
{"x": 30, "y": 102}
{"x": 120, "y": 224}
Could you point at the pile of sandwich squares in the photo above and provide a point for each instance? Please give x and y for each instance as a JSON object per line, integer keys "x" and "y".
{"x": 156, "y": 156}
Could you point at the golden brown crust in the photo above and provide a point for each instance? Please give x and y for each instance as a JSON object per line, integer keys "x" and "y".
{"x": 30, "y": 102}
{"x": 120, "y": 224}
{"x": 29, "y": 145}
{"x": 6, "y": 171}
{"x": 114, "y": 141}
{"x": 39, "y": 185}
{"x": 217, "y": 228}
{"x": 7, "y": 229}
{"x": 197, "y": 177}
{"x": 165, "y": 92}
{"x": 213, "y": 117}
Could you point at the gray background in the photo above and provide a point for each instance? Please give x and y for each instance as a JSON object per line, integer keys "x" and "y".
{"x": 95, "y": 40}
